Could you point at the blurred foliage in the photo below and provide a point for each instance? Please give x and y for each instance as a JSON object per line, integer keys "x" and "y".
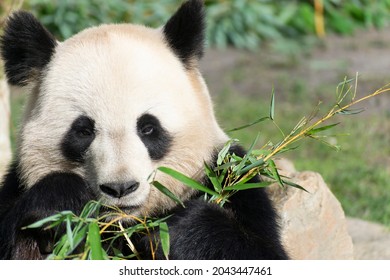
{"x": 6, "y": 6}
{"x": 239, "y": 23}
{"x": 65, "y": 18}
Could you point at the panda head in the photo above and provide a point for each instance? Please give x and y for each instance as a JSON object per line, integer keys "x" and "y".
{"x": 112, "y": 104}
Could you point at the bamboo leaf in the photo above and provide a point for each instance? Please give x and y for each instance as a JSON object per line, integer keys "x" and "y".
{"x": 90, "y": 209}
{"x": 322, "y": 128}
{"x": 275, "y": 173}
{"x": 249, "y": 125}
{"x": 69, "y": 232}
{"x": 351, "y": 112}
{"x": 272, "y": 105}
{"x": 186, "y": 180}
{"x": 248, "y": 186}
{"x": 167, "y": 192}
{"x": 239, "y": 167}
{"x": 345, "y": 82}
{"x": 213, "y": 177}
{"x": 222, "y": 175}
{"x": 319, "y": 138}
{"x": 295, "y": 185}
{"x": 261, "y": 152}
{"x": 79, "y": 236}
{"x": 60, "y": 249}
{"x": 301, "y": 123}
{"x": 247, "y": 177}
{"x": 251, "y": 166}
{"x": 287, "y": 149}
{"x": 225, "y": 166}
{"x": 94, "y": 241}
{"x": 224, "y": 151}
{"x": 53, "y": 218}
{"x": 164, "y": 237}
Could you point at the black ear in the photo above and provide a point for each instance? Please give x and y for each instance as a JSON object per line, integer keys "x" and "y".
{"x": 26, "y": 48}
{"x": 185, "y": 30}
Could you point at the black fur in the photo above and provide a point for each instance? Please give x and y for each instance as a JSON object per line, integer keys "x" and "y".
{"x": 26, "y": 48}
{"x": 10, "y": 189}
{"x": 78, "y": 139}
{"x": 185, "y": 31}
{"x": 56, "y": 192}
{"x": 246, "y": 228}
{"x": 156, "y": 139}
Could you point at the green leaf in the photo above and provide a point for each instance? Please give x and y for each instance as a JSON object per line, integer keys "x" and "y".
{"x": 345, "y": 82}
{"x": 167, "y": 192}
{"x": 224, "y": 151}
{"x": 90, "y": 209}
{"x": 164, "y": 237}
{"x": 94, "y": 241}
{"x": 351, "y": 112}
{"x": 239, "y": 167}
{"x": 213, "y": 177}
{"x": 319, "y": 138}
{"x": 247, "y": 177}
{"x": 322, "y": 128}
{"x": 275, "y": 173}
{"x": 240, "y": 187}
{"x": 295, "y": 185}
{"x": 248, "y": 125}
{"x": 260, "y": 152}
{"x": 272, "y": 105}
{"x": 62, "y": 249}
{"x": 53, "y": 218}
{"x": 225, "y": 166}
{"x": 251, "y": 166}
{"x": 186, "y": 180}
{"x": 69, "y": 232}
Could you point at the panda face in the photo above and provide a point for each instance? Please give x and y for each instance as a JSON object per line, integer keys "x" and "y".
{"x": 113, "y": 106}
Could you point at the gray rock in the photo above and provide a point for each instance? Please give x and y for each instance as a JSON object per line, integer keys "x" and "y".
{"x": 313, "y": 223}
{"x": 371, "y": 241}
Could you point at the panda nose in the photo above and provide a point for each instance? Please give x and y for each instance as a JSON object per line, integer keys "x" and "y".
{"x": 119, "y": 190}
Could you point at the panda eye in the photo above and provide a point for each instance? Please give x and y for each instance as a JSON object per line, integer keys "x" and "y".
{"x": 156, "y": 139}
{"x": 85, "y": 132}
{"x": 147, "y": 129}
{"x": 78, "y": 138}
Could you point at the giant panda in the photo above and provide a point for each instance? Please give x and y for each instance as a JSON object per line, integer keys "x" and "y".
{"x": 106, "y": 108}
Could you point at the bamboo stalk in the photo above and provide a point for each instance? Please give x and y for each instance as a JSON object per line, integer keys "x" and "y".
{"x": 319, "y": 18}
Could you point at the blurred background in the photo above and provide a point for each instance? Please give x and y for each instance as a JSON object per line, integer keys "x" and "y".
{"x": 302, "y": 49}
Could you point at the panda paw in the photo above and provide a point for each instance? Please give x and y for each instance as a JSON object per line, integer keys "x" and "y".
{"x": 62, "y": 192}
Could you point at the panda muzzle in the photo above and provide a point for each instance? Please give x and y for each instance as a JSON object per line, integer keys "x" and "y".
{"x": 119, "y": 190}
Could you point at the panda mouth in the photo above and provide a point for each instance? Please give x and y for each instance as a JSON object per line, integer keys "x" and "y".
{"x": 120, "y": 209}
{"x": 127, "y": 208}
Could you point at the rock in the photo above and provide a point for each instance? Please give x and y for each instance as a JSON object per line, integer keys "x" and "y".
{"x": 5, "y": 146}
{"x": 371, "y": 241}
{"x": 313, "y": 223}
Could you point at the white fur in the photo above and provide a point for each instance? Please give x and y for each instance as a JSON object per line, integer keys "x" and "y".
{"x": 114, "y": 74}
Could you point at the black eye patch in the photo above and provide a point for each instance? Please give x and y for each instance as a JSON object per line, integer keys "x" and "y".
{"x": 155, "y": 138}
{"x": 78, "y": 138}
